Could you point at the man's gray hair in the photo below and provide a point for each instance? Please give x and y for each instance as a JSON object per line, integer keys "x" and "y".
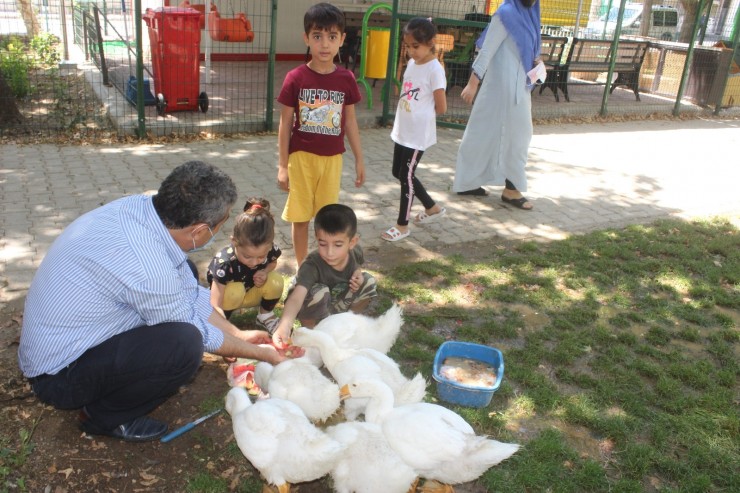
{"x": 194, "y": 192}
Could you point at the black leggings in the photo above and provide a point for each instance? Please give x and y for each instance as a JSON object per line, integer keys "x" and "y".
{"x": 509, "y": 185}
{"x": 405, "y": 161}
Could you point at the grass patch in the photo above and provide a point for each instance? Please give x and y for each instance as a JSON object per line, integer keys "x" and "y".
{"x": 621, "y": 350}
{"x": 14, "y": 454}
{"x": 628, "y": 381}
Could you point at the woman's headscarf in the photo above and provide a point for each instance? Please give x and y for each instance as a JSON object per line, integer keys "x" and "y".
{"x": 523, "y": 24}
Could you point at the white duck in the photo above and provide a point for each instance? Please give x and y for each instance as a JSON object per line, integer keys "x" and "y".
{"x": 368, "y": 464}
{"x": 346, "y": 365}
{"x": 356, "y": 331}
{"x": 300, "y": 383}
{"x": 279, "y": 441}
{"x": 435, "y": 442}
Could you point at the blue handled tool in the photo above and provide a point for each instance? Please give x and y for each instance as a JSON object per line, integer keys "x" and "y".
{"x": 188, "y": 427}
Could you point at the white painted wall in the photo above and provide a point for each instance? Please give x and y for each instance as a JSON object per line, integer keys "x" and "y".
{"x": 290, "y": 20}
{"x": 290, "y": 25}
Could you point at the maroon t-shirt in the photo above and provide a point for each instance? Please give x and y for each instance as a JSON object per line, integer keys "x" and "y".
{"x": 319, "y": 101}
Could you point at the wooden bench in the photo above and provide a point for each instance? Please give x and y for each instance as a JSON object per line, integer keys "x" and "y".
{"x": 589, "y": 55}
{"x": 552, "y": 50}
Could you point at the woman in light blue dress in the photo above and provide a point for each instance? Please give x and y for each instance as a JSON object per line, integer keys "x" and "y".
{"x": 496, "y": 140}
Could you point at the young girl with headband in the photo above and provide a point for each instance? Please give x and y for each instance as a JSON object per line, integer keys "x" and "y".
{"x": 242, "y": 275}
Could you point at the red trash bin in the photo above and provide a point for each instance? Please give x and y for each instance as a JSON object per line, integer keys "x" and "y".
{"x": 174, "y": 34}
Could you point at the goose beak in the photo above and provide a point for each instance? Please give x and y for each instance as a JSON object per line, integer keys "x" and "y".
{"x": 344, "y": 392}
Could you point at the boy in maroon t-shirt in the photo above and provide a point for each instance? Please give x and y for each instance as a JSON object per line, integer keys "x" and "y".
{"x": 318, "y": 101}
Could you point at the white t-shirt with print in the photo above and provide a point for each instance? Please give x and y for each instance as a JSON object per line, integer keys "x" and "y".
{"x": 415, "y": 125}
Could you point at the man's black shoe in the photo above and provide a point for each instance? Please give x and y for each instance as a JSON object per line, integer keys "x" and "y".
{"x": 141, "y": 429}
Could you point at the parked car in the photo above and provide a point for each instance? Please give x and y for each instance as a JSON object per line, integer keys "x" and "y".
{"x": 664, "y": 22}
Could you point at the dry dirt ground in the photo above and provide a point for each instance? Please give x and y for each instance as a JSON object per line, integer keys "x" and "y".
{"x": 41, "y": 449}
{"x": 62, "y": 459}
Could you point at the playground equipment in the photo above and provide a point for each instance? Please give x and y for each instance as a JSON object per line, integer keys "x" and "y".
{"x": 234, "y": 30}
{"x": 375, "y": 48}
{"x": 229, "y": 29}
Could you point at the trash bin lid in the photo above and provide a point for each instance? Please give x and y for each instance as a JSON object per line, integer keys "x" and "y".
{"x": 172, "y": 10}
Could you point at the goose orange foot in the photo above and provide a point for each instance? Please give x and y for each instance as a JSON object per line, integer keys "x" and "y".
{"x": 432, "y": 486}
{"x": 283, "y": 488}
{"x": 412, "y": 489}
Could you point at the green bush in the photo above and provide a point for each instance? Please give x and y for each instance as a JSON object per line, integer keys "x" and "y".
{"x": 15, "y": 65}
{"x": 46, "y": 47}
{"x": 18, "y": 57}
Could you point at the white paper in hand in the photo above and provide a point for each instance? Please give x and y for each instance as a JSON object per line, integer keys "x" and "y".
{"x": 538, "y": 74}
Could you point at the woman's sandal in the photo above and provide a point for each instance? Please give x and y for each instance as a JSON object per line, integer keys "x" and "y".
{"x": 518, "y": 203}
{"x": 478, "y": 192}
{"x": 395, "y": 234}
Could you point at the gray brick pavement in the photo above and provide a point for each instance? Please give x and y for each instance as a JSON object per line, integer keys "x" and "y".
{"x": 581, "y": 178}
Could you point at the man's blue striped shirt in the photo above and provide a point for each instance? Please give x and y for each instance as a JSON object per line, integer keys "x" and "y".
{"x": 111, "y": 270}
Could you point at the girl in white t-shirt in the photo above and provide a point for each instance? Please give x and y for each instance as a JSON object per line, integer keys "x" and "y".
{"x": 414, "y": 129}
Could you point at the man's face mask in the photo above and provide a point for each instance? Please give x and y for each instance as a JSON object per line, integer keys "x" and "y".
{"x": 203, "y": 247}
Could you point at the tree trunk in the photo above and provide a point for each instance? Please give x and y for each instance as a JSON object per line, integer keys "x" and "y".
{"x": 8, "y": 109}
{"x": 28, "y": 13}
{"x": 689, "y": 16}
{"x": 647, "y": 12}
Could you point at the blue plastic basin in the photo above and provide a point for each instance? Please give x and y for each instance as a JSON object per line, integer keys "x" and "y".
{"x": 467, "y": 395}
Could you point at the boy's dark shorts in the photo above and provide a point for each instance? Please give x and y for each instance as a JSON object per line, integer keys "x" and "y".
{"x": 321, "y": 302}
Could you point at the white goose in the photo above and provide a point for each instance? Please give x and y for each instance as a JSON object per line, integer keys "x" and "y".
{"x": 368, "y": 464}
{"x": 346, "y": 365}
{"x": 435, "y": 442}
{"x": 279, "y": 441}
{"x": 300, "y": 383}
{"x": 353, "y": 330}
{"x": 357, "y": 331}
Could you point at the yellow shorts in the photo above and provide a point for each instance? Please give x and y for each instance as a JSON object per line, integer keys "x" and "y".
{"x": 235, "y": 296}
{"x": 314, "y": 182}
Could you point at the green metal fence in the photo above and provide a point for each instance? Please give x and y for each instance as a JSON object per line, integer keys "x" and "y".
{"x": 684, "y": 56}
{"x": 184, "y": 70}
{"x": 159, "y": 71}
{"x": 688, "y": 49}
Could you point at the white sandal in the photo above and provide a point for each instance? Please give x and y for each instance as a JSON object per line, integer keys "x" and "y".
{"x": 395, "y": 234}
{"x": 423, "y": 217}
